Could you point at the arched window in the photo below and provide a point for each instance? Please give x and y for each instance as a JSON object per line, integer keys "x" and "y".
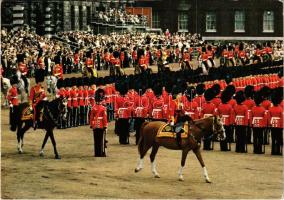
{"x": 268, "y": 21}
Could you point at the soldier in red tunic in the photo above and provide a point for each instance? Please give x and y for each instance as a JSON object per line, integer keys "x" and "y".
{"x": 58, "y": 71}
{"x": 275, "y": 120}
{"x": 38, "y": 96}
{"x": 81, "y": 102}
{"x": 91, "y": 92}
{"x": 208, "y": 109}
{"x": 98, "y": 122}
{"x": 13, "y": 102}
{"x": 199, "y": 99}
{"x": 141, "y": 109}
{"x": 225, "y": 111}
{"x": 249, "y": 102}
{"x": 60, "y": 94}
{"x": 74, "y": 102}
{"x": 86, "y": 100}
{"x": 258, "y": 123}
{"x": 123, "y": 111}
{"x": 241, "y": 122}
{"x": 69, "y": 101}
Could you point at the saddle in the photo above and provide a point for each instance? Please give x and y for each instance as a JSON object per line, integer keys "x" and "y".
{"x": 27, "y": 114}
{"x": 169, "y": 132}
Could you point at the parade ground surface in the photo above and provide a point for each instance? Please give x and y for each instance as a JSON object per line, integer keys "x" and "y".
{"x": 81, "y": 175}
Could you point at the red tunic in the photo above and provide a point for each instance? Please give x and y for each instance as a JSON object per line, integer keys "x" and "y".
{"x": 208, "y": 109}
{"x": 13, "y": 96}
{"x": 200, "y": 100}
{"x": 91, "y": 94}
{"x": 58, "y": 71}
{"x": 74, "y": 97}
{"x": 275, "y": 116}
{"x": 241, "y": 115}
{"x": 190, "y": 108}
{"x": 216, "y": 101}
{"x": 123, "y": 107}
{"x": 23, "y": 68}
{"x": 141, "y": 107}
{"x": 258, "y": 117}
{"x": 61, "y": 93}
{"x": 86, "y": 96}
{"x": 226, "y": 112}
{"x": 37, "y": 94}
{"x": 98, "y": 117}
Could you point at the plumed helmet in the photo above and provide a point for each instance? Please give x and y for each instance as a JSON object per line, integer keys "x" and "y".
{"x": 99, "y": 95}
{"x": 190, "y": 93}
{"x": 14, "y": 80}
{"x": 39, "y": 75}
{"x": 240, "y": 97}
{"x": 209, "y": 94}
{"x": 200, "y": 89}
{"x": 258, "y": 98}
{"x": 225, "y": 96}
{"x": 249, "y": 91}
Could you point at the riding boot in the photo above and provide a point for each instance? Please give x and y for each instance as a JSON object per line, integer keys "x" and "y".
{"x": 178, "y": 137}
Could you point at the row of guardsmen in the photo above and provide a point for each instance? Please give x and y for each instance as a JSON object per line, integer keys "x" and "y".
{"x": 141, "y": 102}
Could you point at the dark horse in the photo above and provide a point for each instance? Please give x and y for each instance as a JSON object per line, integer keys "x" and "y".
{"x": 51, "y": 112}
{"x": 202, "y": 128}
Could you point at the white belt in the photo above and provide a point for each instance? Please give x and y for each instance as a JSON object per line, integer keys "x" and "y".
{"x": 157, "y": 110}
{"x": 69, "y": 99}
{"x": 225, "y": 116}
{"x": 207, "y": 115}
{"x": 189, "y": 113}
{"x": 274, "y": 119}
{"x": 99, "y": 117}
{"x": 74, "y": 98}
{"x": 240, "y": 116}
{"x": 256, "y": 119}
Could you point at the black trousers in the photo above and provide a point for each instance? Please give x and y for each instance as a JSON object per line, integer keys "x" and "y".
{"x": 249, "y": 132}
{"x": 225, "y": 145}
{"x": 82, "y": 115}
{"x": 258, "y": 140}
{"x": 13, "y": 118}
{"x": 122, "y": 130}
{"x": 241, "y": 139}
{"x": 137, "y": 126}
{"x": 75, "y": 116}
{"x": 99, "y": 142}
{"x": 69, "y": 117}
{"x": 277, "y": 141}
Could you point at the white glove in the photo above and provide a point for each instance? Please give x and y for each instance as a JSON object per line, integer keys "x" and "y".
{"x": 172, "y": 123}
{"x": 11, "y": 105}
{"x": 31, "y": 108}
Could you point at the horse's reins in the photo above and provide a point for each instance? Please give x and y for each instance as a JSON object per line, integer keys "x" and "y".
{"x": 202, "y": 129}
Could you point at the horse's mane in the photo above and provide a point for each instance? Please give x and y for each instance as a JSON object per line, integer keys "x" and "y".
{"x": 53, "y": 105}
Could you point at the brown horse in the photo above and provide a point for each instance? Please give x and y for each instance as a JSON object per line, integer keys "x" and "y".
{"x": 202, "y": 128}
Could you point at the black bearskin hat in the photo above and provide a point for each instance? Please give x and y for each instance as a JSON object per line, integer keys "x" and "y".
{"x": 73, "y": 81}
{"x": 216, "y": 89}
{"x": 249, "y": 91}
{"x": 67, "y": 82}
{"x": 240, "y": 97}
{"x": 265, "y": 91}
{"x": 258, "y": 98}
{"x": 190, "y": 93}
{"x": 116, "y": 54}
{"x": 209, "y": 94}
{"x": 60, "y": 83}
{"x": 86, "y": 81}
{"x": 200, "y": 89}
{"x": 225, "y": 96}
{"x": 158, "y": 89}
{"x": 231, "y": 89}
{"x": 39, "y": 75}
{"x": 14, "y": 80}
{"x": 92, "y": 81}
{"x": 99, "y": 95}
{"x": 277, "y": 96}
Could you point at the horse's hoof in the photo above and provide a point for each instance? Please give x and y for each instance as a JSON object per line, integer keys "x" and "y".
{"x": 181, "y": 179}
{"x": 137, "y": 170}
{"x": 208, "y": 181}
{"x": 57, "y": 157}
{"x": 157, "y": 176}
{"x": 41, "y": 154}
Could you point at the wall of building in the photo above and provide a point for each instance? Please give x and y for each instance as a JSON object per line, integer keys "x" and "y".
{"x": 196, "y": 10}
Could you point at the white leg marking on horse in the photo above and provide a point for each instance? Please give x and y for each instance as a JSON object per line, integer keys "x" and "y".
{"x": 180, "y": 176}
{"x": 139, "y": 165}
{"x": 154, "y": 170}
{"x": 20, "y": 150}
{"x": 207, "y": 179}
{"x": 41, "y": 153}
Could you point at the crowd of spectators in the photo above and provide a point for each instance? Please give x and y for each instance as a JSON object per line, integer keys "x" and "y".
{"x": 120, "y": 17}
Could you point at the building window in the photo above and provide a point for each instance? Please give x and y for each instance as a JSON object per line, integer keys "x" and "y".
{"x": 268, "y": 21}
{"x": 210, "y": 22}
{"x": 183, "y": 21}
{"x": 239, "y": 21}
{"x": 155, "y": 20}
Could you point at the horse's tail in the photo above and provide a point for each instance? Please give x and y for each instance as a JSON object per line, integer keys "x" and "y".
{"x": 141, "y": 139}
